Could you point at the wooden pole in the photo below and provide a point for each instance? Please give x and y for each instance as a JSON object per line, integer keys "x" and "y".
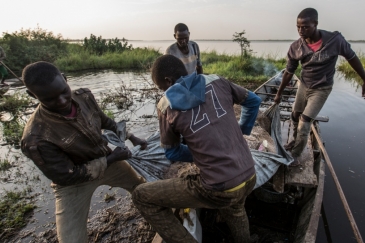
{"x": 342, "y": 195}
{"x": 11, "y": 71}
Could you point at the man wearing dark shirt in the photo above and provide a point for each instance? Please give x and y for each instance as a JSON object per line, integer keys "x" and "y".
{"x": 317, "y": 51}
{"x": 200, "y": 108}
{"x": 63, "y": 138}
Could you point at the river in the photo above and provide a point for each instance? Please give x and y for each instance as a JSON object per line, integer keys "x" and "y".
{"x": 343, "y": 135}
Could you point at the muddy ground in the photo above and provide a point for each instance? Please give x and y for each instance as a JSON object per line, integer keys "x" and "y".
{"x": 115, "y": 220}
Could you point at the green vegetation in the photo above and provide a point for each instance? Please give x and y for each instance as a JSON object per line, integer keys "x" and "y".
{"x": 243, "y": 42}
{"x": 14, "y": 103}
{"x": 349, "y": 73}
{"x": 4, "y": 165}
{"x": 241, "y": 70}
{"x": 30, "y": 45}
{"x": 14, "y": 211}
{"x": 80, "y": 59}
{"x": 100, "y": 46}
{"x": 13, "y": 128}
{"x": 13, "y": 131}
{"x": 109, "y": 114}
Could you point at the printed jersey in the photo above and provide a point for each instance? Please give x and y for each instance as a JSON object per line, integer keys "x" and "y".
{"x": 212, "y": 134}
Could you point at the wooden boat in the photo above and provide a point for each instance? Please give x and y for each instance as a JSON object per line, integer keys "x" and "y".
{"x": 287, "y": 208}
{"x": 297, "y": 191}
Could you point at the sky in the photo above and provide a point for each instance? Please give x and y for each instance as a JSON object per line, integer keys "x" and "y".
{"x": 155, "y": 19}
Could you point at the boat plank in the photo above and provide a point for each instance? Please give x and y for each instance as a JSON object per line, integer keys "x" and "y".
{"x": 303, "y": 175}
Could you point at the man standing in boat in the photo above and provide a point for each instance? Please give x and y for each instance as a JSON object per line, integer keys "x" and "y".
{"x": 200, "y": 108}
{"x": 317, "y": 51}
{"x": 184, "y": 49}
{"x": 63, "y": 138}
{"x": 3, "y": 71}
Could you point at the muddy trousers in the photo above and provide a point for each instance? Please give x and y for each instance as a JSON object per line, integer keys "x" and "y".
{"x": 73, "y": 202}
{"x": 155, "y": 200}
{"x": 308, "y": 102}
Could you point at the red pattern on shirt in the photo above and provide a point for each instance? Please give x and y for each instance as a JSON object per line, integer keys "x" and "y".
{"x": 315, "y": 46}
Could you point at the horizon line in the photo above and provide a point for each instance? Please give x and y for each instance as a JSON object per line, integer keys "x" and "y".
{"x": 283, "y": 40}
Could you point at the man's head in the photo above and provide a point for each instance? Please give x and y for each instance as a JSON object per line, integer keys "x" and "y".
{"x": 181, "y": 34}
{"x": 166, "y": 70}
{"x": 46, "y": 83}
{"x": 307, "y": 22}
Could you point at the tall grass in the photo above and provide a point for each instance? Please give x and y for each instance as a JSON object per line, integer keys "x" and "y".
{"x": 78, "y": 59}
{"x": 349, "y": 74}
{"x": 241, "y": 70}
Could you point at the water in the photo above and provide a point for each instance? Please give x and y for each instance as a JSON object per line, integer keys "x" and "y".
{"x": 344, "y": 138}
{"x": 276, "y": 49}
{"x": 343, "y": 135}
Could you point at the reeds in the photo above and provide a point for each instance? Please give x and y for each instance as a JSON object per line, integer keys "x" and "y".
{"x": 137, "y": 59}
{"x": 348, "y": 72}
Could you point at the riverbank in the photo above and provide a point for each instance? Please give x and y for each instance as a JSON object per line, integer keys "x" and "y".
{"x": 241, "y": 70}
{"x": 95, "y": 53}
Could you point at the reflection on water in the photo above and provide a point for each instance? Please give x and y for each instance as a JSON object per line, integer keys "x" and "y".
{"x": 344, "y": 138}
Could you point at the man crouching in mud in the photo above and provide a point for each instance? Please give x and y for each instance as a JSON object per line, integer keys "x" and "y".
{"x": 63, "y": 138}
{"x": 200, "y": 108}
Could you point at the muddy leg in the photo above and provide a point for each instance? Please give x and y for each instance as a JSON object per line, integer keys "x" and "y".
{"x": 121, "y": 174}
{"x": 294, "y": 121}
{"x": 155, "y": 200}
{"x": 236, "y": 217}
{"x": 302, "y": 138}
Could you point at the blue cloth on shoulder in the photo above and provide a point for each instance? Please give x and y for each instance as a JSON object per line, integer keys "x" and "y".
{"x": 249, "y": 110}
{"x": 188, "y": 92}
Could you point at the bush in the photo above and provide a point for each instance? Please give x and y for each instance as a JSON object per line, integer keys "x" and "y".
{"x": 31, "y": 45}
{"x": 137, "y": 59}
{"x": 99, "y": 46}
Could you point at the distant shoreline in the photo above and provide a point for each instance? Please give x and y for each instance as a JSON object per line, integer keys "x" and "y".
{"x": 81, "y": 40}
{"x": 269, "y": 40}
